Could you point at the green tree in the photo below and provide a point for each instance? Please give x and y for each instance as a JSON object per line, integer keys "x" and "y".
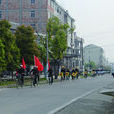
{"x": 2, "y": 57}
{"x": 57, "y": 34}
{"x": 12, "y": 54}
{"x": 90, "y": 65}
{"x": 26, "y": 42}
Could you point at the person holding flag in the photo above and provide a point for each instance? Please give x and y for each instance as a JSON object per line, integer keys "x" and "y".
{"x": 39, "y": 66}
{"x": 21, "y": 73}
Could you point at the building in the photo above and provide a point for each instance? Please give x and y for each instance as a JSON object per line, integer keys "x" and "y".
{"x": 14, "y": 26}
{"x": 36, "y": 13}
{"x": 94, "y": 53}
{"x": 74, "y": 56}
{"x": 79, "y": 52}
{"x": 112, "y": 66}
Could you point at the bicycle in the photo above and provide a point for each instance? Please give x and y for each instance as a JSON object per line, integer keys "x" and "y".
{"x": 34, "y": 80}
{"x": 19, "y": 80}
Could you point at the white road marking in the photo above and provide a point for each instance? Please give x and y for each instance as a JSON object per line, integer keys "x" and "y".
{"x": 70, "y": 102}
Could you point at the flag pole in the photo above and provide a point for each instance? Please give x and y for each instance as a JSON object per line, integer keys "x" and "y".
{"x": 34, "y": 59}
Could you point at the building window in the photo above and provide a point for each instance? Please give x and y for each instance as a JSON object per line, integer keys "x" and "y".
{"x": 32, "y": 13}
{"x": 33, "y": 26}
{"x": 32, "y": 1}
{"x": 0, "y": 14}
{"x": 58, "y": 10}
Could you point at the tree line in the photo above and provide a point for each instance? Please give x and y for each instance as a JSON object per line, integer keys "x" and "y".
{"x": 22, "y": 44}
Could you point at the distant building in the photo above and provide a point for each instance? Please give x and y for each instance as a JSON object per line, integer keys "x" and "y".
{"x": 112, "y": 66}
{"x": 79, "y": 52}
{"x": 94, "y": 53}
{"x": 74, "y": 56}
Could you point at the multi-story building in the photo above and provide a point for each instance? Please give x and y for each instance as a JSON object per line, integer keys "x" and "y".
{"x": 94, "y": 53}
{"x": 74, "y": 57}
{"x": 14, "y": 26}
{"x": 36, "y": 13}
{"x": 79, "y": 52}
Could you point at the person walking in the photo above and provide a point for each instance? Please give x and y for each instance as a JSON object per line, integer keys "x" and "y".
{"x": 85, "y": 73}
{"x": 73, "y": 73}
{"x": 50, "y": 76}
{"x": 63, "y": 71}
{"x": 112, "y": 72}
{"x": 77, "y": 73}
{"x": 67, "y": 74}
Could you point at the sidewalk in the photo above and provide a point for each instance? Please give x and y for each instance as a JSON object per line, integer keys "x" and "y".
{"x": 95, "y": 103}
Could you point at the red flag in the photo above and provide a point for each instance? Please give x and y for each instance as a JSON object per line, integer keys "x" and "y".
{"x": 38, "y": 64}
{"x": 48, "y": 65}
{"x": 23, "y": 63}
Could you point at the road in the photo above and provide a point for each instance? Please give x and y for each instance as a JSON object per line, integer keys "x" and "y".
{"x": 47, "y": 99}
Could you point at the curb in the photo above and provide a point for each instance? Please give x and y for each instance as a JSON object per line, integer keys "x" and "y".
{"x": 70, "y": 102}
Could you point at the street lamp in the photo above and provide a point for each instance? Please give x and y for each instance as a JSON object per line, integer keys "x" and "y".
{"x": 47, "y": 59}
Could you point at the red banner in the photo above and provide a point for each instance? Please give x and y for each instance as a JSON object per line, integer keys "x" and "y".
{"x": 38, "y": 64}
{"x": 23, "y": 63}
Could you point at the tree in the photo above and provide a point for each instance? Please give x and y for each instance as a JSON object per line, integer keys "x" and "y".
{"x": 12, "y": 53}
{"x": 57, "y": 34}
{"x": 2, "y": 57}
{"x": 26, "y": 42}
{"x": 90, "y": 65}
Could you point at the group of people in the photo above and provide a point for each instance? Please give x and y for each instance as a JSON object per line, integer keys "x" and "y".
{"x": 34, "y": 73}
{"x": 66, "y": 73}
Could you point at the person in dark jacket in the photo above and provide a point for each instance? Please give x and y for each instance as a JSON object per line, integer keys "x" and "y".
{"x": 77, "y": 72}
{"x": 73, "y": 74}
{"x": 35, "y": 73}
{"x": 86, "y": 73}
{"x": 50, "y": 76}
{"x": 63, "y": 71}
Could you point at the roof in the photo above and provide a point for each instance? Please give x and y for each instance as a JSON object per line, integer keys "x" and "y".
{"x": 66, "y": 11}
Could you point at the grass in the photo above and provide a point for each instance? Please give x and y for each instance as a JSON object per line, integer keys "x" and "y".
{"x": 27, "y": 82}
{"x": 5, "y": 83}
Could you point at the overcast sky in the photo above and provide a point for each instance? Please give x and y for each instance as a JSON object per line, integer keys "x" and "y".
{"x": 94, "y": 22}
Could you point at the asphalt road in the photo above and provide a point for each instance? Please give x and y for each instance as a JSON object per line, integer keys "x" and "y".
{"x": 47, "y": 99}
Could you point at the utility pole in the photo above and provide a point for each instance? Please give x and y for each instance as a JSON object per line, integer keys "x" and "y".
{"x": 82, "y": 56}
{"x": 47, "y": 59}
{"x": 89, "y": 58}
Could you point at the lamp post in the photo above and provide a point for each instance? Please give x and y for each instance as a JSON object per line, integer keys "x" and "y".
{"x": 47, "y": 59}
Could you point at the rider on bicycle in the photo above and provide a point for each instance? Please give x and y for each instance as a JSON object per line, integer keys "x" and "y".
{"x": 35, "y": 73}
{"x": 20, "y": 75}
